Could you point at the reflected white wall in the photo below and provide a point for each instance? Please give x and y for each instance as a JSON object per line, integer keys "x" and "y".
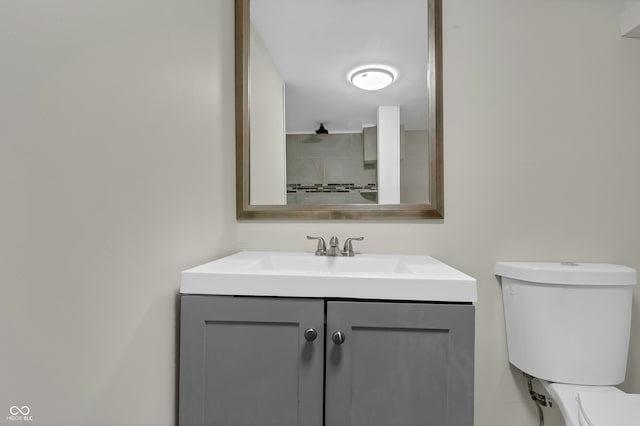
{"x": 266, "y": 118}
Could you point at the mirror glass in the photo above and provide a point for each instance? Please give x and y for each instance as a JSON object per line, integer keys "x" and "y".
{"x": 310, "y": 142}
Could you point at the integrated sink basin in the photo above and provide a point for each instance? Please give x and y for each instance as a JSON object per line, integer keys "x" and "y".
{"x": 294, "y": 274}
{"x": 331, "y": 264}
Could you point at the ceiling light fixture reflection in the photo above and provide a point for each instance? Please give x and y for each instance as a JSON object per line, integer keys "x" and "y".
{"x": 372, "y": 77}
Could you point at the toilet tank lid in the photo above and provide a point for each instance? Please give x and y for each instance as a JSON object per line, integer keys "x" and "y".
{"x": 568, "y": 273}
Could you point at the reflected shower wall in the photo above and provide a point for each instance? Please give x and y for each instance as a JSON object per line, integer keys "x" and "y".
{"x": 329, "y": 169}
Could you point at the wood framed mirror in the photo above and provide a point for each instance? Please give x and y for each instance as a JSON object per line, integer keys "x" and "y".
{"x": 319, "y": 190}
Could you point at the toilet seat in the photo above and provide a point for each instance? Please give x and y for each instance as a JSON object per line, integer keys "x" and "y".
{"x": 607, "y": 408}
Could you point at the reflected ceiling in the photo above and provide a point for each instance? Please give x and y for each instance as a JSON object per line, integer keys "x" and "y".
{"x": 316, "y": 43}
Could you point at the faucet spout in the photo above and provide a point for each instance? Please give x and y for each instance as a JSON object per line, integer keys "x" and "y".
{"x": 334, "y": 250}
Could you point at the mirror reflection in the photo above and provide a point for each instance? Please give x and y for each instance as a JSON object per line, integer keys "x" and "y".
{"x": 338, "y": 102}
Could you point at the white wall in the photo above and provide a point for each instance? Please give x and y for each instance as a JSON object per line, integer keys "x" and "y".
{"x": 116, "y": 173}
{"x": 266, "y": 112}
{"x": 541, "y": 163}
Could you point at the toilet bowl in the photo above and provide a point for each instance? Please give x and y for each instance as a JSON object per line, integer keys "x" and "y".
{"x": 569, "y": 324}
{"x": 583, "y": 405}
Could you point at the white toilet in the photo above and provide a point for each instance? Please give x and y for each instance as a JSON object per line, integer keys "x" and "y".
{"x": 568, "y": 324}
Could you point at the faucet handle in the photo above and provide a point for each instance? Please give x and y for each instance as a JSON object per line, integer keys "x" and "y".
{"x": 348, "y": 247}
{"x": 321, "y": 250}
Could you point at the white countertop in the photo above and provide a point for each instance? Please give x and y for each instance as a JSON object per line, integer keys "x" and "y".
{"x": 297, "y": 274}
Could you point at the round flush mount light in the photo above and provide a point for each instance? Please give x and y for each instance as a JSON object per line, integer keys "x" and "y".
{"x": 373, "y": 77}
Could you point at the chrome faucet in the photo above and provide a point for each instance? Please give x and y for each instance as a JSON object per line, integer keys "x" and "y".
{"x": 334, "y": 249}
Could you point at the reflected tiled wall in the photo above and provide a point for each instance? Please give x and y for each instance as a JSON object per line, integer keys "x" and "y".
{"x": 319, "y": 165}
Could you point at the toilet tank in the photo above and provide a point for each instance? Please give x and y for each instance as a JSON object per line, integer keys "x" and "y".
{"x": 568, "y": 322}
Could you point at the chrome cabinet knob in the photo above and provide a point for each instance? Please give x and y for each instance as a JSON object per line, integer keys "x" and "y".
{"x": 310, "y": 334}
{"x": 338, "y": 337}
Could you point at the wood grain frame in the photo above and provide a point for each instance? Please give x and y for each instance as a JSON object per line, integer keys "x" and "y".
{"x": 246, "y": 211}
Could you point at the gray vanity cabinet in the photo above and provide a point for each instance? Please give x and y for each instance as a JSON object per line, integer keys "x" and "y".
{"x": 245, "y": 361}
{"x": 400, "y": 364}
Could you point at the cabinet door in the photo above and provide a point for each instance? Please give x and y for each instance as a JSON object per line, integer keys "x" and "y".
{"x": 400, "y": 364}
{"x": 245, "y": 361}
